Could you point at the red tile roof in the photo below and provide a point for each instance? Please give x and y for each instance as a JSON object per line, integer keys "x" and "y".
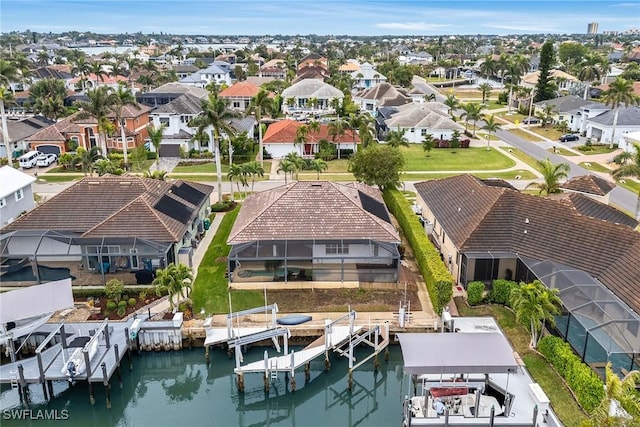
{"x": 284, "y": 132}
{"x": 240, "y": 89}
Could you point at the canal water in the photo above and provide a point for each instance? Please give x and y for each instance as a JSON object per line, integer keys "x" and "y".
{"x": 178, "y": 389}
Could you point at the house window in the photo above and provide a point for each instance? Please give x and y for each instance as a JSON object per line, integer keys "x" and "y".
{"x": 185, "y": 119}
{"x": 3, "y": 202}
{"x": 19, "y": 195}
{"x": 236, "y": 104}
{"x": 423, "y": 132}
{"x": 164, "y": 121}
{"x": 412, "y": 130}
{"x": 337, "y": 248}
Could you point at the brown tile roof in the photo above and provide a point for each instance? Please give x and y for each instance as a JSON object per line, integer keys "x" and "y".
{"x": 57, "y": 131}
{"x": 112, "y": 206}
{"x": 587, "y": 206}
{"x": 499, "y": 219}
{"x": 589, "y": 184}
{"x": 313, "y": 210}
{"x": 284, "y": 132}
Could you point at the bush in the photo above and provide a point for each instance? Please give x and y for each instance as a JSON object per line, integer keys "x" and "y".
{"x": 224, "y": 206}
{"x": 584, "y": 383}
{"x": 122, "y": 304}
{"x": 475, "y": 293}
{"x": 114, "y": 289}
{"x": 501, "y": 291}
{"x": 503, "y": 97}
{"x": 132, "y": 302}
{"x": 100, "y": 293}
{"x": 437, "y": 277}
{"x": 111, "y": 305}
{"x": 121, "y": 311}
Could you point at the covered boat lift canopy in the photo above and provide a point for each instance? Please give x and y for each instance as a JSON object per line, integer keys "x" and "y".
{"x": 450, "y": 353}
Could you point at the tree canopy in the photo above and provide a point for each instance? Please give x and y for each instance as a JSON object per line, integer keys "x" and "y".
{"x": 379, "y": 165}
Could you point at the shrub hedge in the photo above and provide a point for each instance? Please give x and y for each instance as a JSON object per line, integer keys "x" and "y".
{"x": 436, "y": 276}
{"x": 501, "y": 291}
{"x": 584, "y": 383}
{"x": 475, "y": 292}
{"x": 99, "y": 293}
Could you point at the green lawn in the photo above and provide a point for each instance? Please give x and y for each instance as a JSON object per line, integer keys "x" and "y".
{"x": 209, "y": 167}
{"x": 463, "y": 159}
{"x": 562, "y": 151}
{"x": 561, "y": 398}
{"x": 595, "y": 167}
{"x": 210, "y": 288}
{"x": 525, "y": 135}
{"x": 595, "y": 149}
{"x": 531, "y": 161}
{"x": 630, "y": 185}
{"x": 508, "y": 175}
{"x": 59, "y": 178}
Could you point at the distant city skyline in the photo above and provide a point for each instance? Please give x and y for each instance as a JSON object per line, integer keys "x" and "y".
{"x": 331, "y": 17}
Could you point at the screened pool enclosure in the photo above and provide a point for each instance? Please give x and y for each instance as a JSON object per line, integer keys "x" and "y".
{"x": 598, "y": 325}
{"x": 314, "y": 260}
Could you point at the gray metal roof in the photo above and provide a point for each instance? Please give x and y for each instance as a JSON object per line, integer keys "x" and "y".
{"x": 453, "y": 353}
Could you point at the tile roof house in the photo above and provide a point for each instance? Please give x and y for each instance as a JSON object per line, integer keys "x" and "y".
{"x": 366, "y": 77}
{"x": 135, "y": 222}
{"x": 314, "y": 230}
{"x": 16, "y": 195}
{"x": 571, "y": 109}
{"x": 382, "y": 95}
{"x": 310, "y": 96}
{"x": 564, "y": 80}
{"x": 600, "y": 128}
{"x": 418, "y": 120}
{"x": 84, "y": 131}
{"x": 19, "y": 130}
{"x": 590, "y": 185}
{"x": 279, "y": 139}
{"x": 218, "y": 72}
{"x": 239, "y": 95}
{"x": 490, "y": 232}
{"x": 168, "y": 92}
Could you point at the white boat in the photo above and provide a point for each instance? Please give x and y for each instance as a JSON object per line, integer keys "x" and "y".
{"x": 76, "y": 365}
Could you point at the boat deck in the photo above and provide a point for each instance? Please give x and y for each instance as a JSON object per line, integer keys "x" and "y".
{"x": 221, "y": 335}
{"x": 294, "y": 360}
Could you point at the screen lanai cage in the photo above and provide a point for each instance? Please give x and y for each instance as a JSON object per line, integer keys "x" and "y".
{"x": 31, "y": 256}
{"x": 332, "y": 260}
{"x": 598, "y": 325}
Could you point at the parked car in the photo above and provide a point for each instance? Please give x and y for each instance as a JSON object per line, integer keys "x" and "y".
{"x": 569, "y": 137}
{"x": 45, "y": 160}
{"x": 531, "y": 121}
{"x": 29, "y": 159}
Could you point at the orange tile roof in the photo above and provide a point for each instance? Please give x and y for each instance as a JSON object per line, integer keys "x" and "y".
{"x": 284, "y": 132}
{"x": 240, "y": 89}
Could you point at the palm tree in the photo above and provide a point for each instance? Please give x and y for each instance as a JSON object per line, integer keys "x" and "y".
{"x": 216, "y": 118}
{"x": 159, "y": 175}
{"x": 261, "y": 103}
{"x": 80, "y": 66}
{"x": 620, "y": 92}
{"x": 174, "y": 279}
{"x": 396, "y": 138}
{"x": 473, "y": 112}
{"x": 489, "y": 67}
{"x": 590, "y": 71}
{"x": 534, "y": 304}
{"x": 87, "y": 158}
{"x": 301, "y": 135}
{"x": 254, "y": 169}
{"x": 630, "y": 168}
{"x": 515, "y": 68}
{"x": 286, "y": 166}
{"x": 133, "y": 64}
{"x": 96, "y": 69}
{"x": 619, "y": 394}
{"x": 485, "y": 88}
{"x": 491, "y": 126}
{"x": 298, "y": 163}
{"x": 452, "y": 103}
{"x": 201, "y": 137}
{"x": 121, "y": 98}
{"x": 551, "y": 174}
{"x": 318, "y": 165}
{"x": 155, "y": 136}
{"x": 47, "y": 96}
{"x": 8, "y": 74}
{"x": 336, "y": 129}
{"x": 99, "y": 106}
{"x": 237, "y": 174}
{"x": 356, "y": 122}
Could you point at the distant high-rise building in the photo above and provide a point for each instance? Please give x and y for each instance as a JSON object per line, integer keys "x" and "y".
{"x": 592, "y": 28}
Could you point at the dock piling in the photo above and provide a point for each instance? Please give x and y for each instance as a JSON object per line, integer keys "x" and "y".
{"x": 23, "y": 388}
{"x": 107, "y": 386}
{"x": 240, "y": 378}
{"x": 92, "y": 398}
{"x": 350, "y": 380}
{"x": 117, "y": 354}
{"x": 307, "y": 371}
{"x": 50, "y": 387}
{"x": 206, "y": 354}
{"x": 293, "y": 383}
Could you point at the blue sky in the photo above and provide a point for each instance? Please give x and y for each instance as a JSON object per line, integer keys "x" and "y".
{"x": 353, "y": 17}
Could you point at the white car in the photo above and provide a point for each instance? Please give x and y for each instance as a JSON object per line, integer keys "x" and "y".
{"x": 45, "y": 160}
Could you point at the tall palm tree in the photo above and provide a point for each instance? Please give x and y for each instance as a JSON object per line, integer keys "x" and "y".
{"x": 489, "y": 67}
{"x": 8, "y": 74}
{"x": 516, "y": 66}
{"x": 485, "y": 89}
{"x": 155, "y": 136}
{"x": 620, "y": 92}
{"x": 318, "y": 165}
{"x": 357, "y": 122}
{"x": 396, "y": 138}
{"x": 216, "y": 119}
{"x": 302, "y": 133}
{"x": 619, "y": 393}
{"x": 336, "y": 129}
{"x": 286, "y": 166}
{"x": 99, "y": 106}
{"x": 80, "y": 66}
{"x": 96, "y": 69}
{"x": 261, "y": 103}
{"x": 123, "y": 97}
{"x": 630, "y": 168}
{"x": 590, "y": 71}
{"x": 534, "y": 304}
{"x": 298, "y": 163}
{"x": 238, "y": 175}
{"x": 491, "y": 126}
{"x": 174, "y": 279}
{"x": 551, "y": 175}
{"x": 254, "y": 169}
{"x": 133, "y": 65}
{"x": 451, "y": 102}
{"x": 47, "y": 97}
{"x": 472, "y": 112}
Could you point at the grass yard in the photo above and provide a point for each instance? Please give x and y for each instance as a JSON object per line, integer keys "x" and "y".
{"x": 209, "y": 167}
{"x": 595, "y": 167}
{"x": 508, "y": 175}
{"x": 561, "y": 398}
{"x": 58, "y": 178}
{"x": 462, "y": 159}
{"x": 548, "y": 132}
{"x": 525, "y": 135}
{"x": 325, "y": 177}
{"x": 630, "y": 185}
{"x": 595, "y": 149}
{"x": 531, "y": 161}
{"x": 203, "y": 178}
{"x": 562, "y": 151}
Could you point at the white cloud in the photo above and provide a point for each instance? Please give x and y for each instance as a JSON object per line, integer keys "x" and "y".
{"x": 415, "y": 26}
{"x": 528, "y": 28}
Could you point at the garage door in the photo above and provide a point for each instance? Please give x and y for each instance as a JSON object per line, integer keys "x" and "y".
{"x": 170, "y": 150}
{"x": 49, "y": 149}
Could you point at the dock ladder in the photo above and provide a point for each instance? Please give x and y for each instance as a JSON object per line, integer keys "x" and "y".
{"x": 13, "y": 377}
{"x": 273, "y": 369}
